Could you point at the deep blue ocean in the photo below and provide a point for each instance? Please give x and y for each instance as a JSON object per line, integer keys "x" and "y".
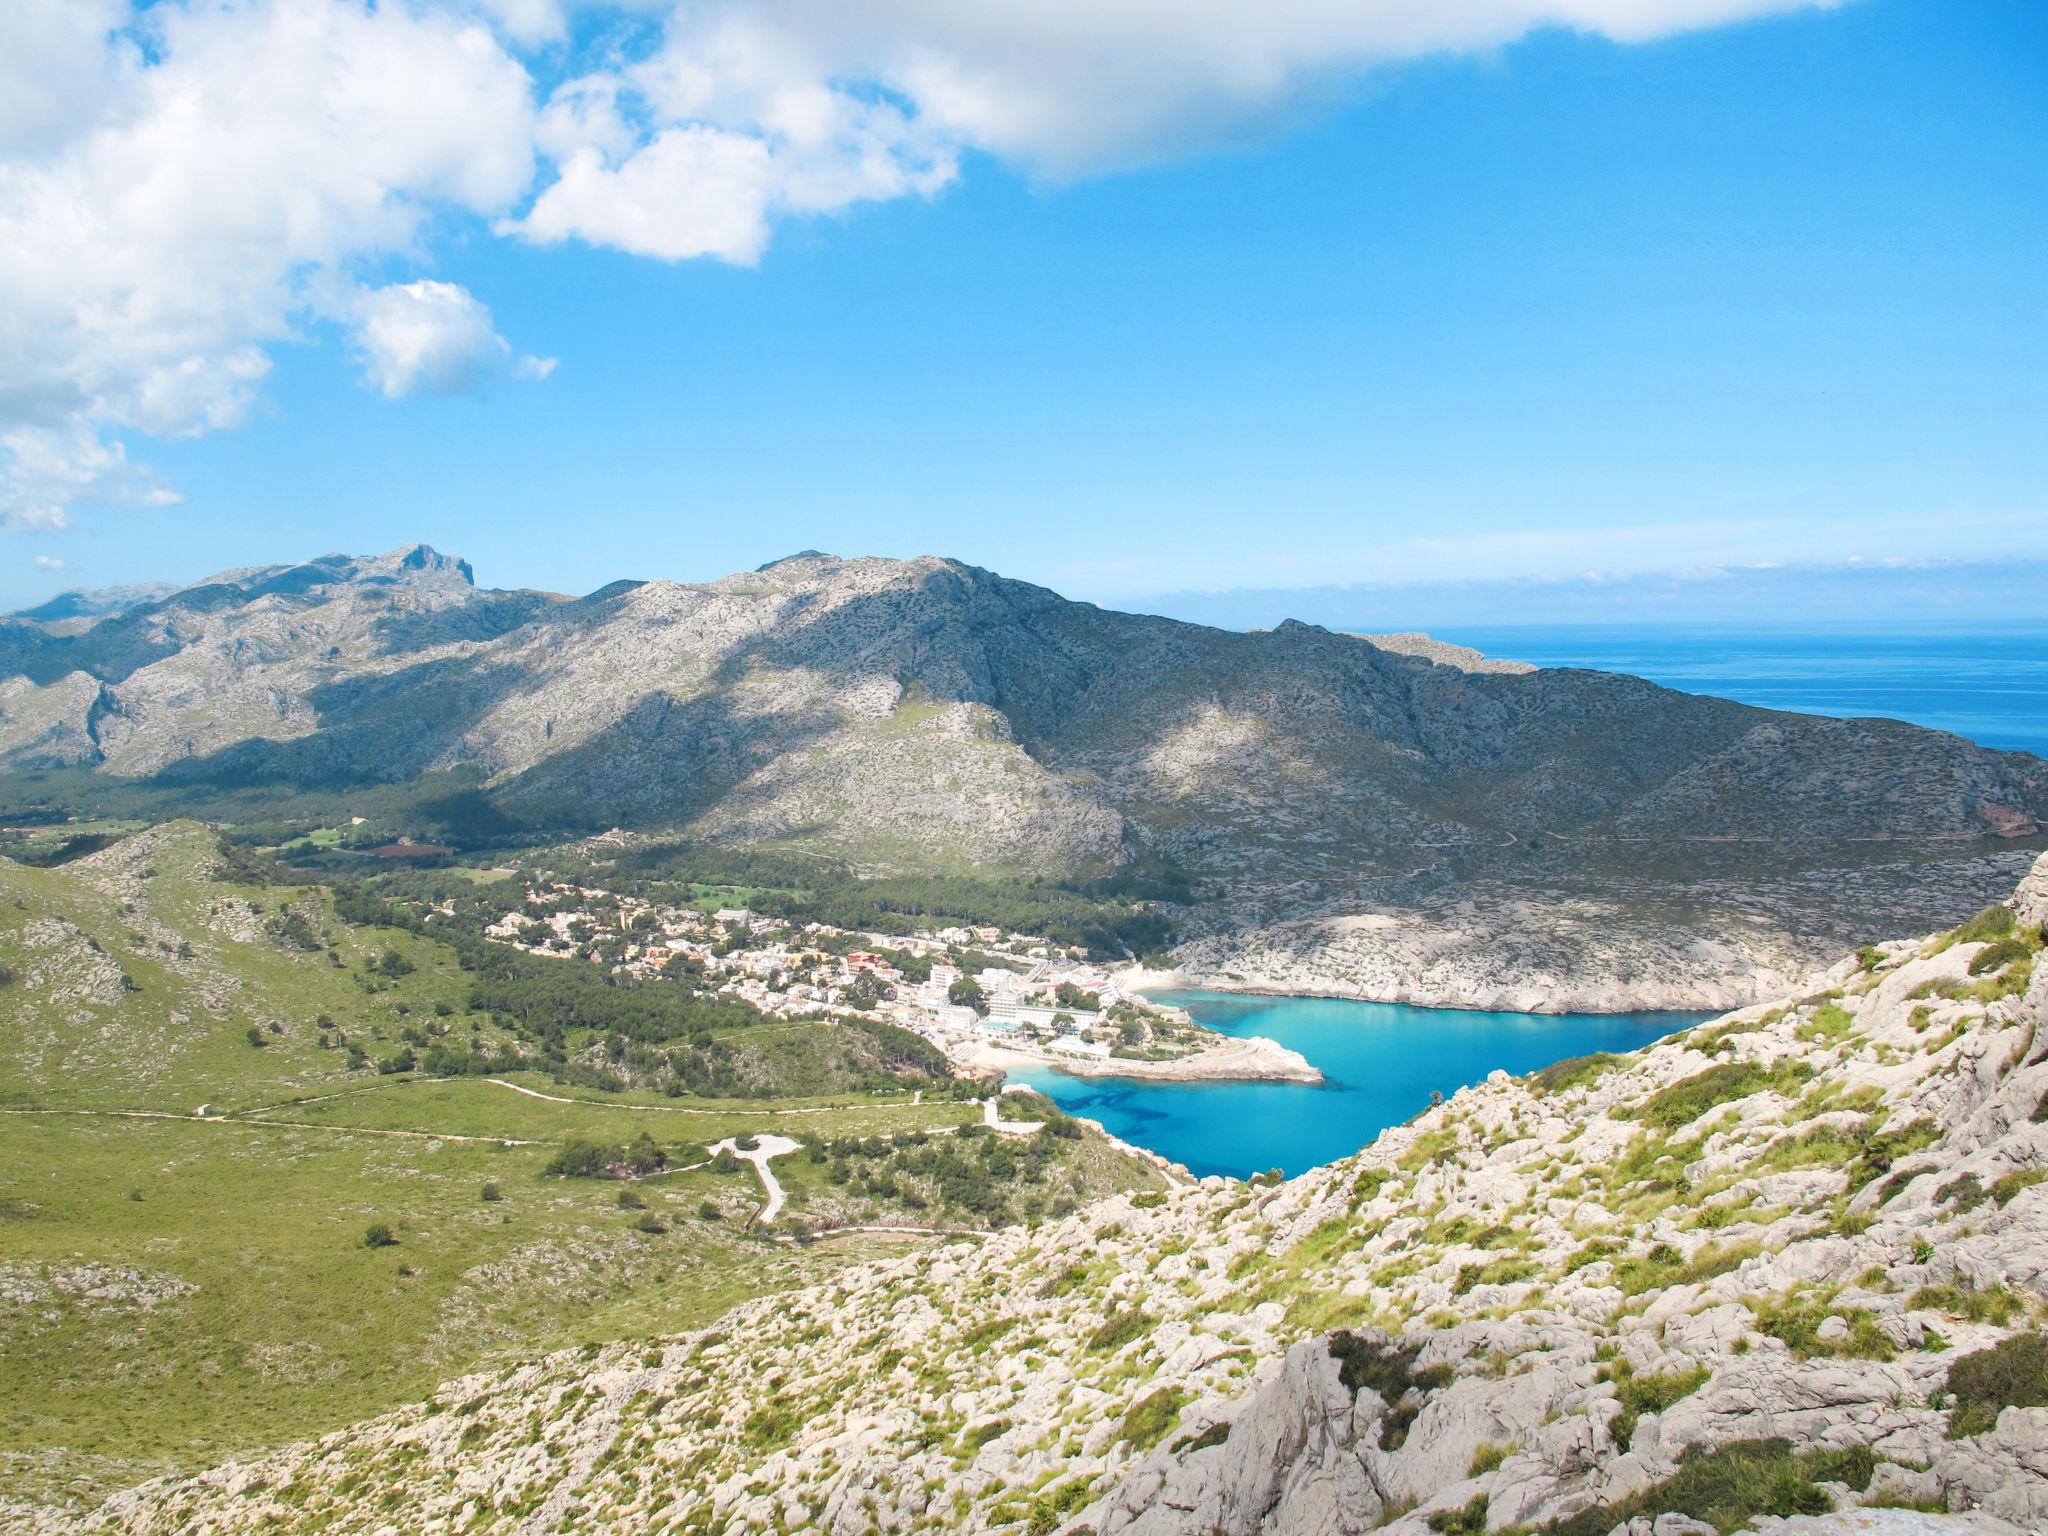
{"x": 1991, "y": 686}
{"x": 1382, "y": 1060}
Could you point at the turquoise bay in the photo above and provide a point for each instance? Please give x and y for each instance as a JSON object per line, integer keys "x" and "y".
{"x": 1380, "y": 1063}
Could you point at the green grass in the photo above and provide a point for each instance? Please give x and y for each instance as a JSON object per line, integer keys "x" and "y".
{"x": 272, "y": 1319}
{"x": 292, "y": 1326}
{"x": 1728, "y": 1487}
{"x": 1687, "y": 1099}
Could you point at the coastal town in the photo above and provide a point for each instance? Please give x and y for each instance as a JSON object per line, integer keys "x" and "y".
{"x": 989, "y": 999}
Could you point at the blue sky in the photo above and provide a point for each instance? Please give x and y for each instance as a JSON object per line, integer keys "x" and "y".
{"x": 1774, "y": 291}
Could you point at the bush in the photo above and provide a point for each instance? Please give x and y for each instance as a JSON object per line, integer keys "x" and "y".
{"x": 1151, "y": 1417}
{"x": 378, "y": 1234}
{"x": 1690, "y": 1097}
{"x": 255, "y": 1037}
{"x": 651, "y": 1223}
{"x": 1571, "y": 1072}
{"x": 1118, "y": 1329}
{"x": 725, "y": 1161}
{"x": 1994, "y": 922}
{"x": 1469, "y": 1521}
{"x": 1996, "y": 957}
{"x": 1728, "y": 1487}
{"x": 1649, "y": 1394}
{"x": 706, "y": 1211}
{"x": 578, "y": 1159}
{"x": 2011, "y": 1374}
{"x": 628, "y": 1201}
{"x": 1389, "y": 1369}
{"x": 490, "y": 1194}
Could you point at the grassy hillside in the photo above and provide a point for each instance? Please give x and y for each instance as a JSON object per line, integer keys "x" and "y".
{"x": 1787, "y": 1261}
{"x": 178, "y": 1288}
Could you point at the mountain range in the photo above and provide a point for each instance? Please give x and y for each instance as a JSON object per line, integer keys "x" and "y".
{"x": 1385, "y": 818}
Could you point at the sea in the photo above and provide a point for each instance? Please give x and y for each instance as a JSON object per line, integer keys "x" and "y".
{"x": 1382, "y": 1061}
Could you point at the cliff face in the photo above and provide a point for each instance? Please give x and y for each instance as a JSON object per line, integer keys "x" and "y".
{"x": 1789, "y": 1260}
{"x": 1516, "y": 838}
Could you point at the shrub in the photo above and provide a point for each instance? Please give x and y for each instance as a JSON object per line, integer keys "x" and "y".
{"x": 1690, "y": 1097}
{"x": 1649, "y": 1394}
{"x": 981, "y": 1434}
{"x": 1118, "y": 1329}
{"x": 1728, "y": 1487}
{"x": 706, "y": 1211}
{"x": 1996, "y": 957}
{"x": 2012, "y": 1183}
{"x": 1572, "y": 1071}
{"x": 578, "y": 1159}
{"x": 378, "y": 1234}
{"x": 1389, "y": 1369}
{"x": 1994, "y": 922}
{"x": 1797, "y": 1323}
{"x": 256, "y": 1037}
{"x": 1488, "y": 1457}
{"x": 651, "y": 1224}
{"x": 725, "y": 1161}
{"x": 1469, "y": 1521}
{"x": 490, "y": 1194}
{"x": 1151, "y": 1417}
{"x": 2011, "y": 1374}
{"x": 1996, "y": 1306}
{"x": 628, "y": 1201}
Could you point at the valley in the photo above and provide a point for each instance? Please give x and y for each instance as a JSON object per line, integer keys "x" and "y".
{"x": 238, "y": 1209}
{"x": 1301, "y": 811}
{"x": 1785, "y": 1262}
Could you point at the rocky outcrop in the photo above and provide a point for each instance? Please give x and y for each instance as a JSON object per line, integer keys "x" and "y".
{"x": 1391, "y": 819}
{"x": 1796, "y": 1256}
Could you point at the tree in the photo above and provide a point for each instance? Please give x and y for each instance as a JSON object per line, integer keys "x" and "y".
{"x": 644, "y": 1157}
{"x": 378, "y": 1234}
{"x": 1067, "y": 995}
{"x": 966, "y": 992}
{"x": 578, "y": 1159}
{"x": 391, "y": 963}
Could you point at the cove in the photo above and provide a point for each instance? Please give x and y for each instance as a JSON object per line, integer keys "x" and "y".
{"x": 1380, "y": 1063}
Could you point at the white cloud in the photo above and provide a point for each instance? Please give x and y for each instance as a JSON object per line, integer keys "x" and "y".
{"x": 197, "y": 206}
{"x": 429, "y": 337}
{"x": 51, "y": 563}
{"x": 184, "y": 183}
{"x": 749, "y": 110}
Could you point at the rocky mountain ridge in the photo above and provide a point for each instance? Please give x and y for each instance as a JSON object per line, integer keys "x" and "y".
{"x": 1790, "y": 1261}
{"x": 1390, "y": 819}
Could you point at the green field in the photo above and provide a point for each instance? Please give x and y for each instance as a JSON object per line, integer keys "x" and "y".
{"x": 174, "y": 1290}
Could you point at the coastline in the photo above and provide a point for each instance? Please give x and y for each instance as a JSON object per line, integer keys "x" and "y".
{"x": 1233, "y": 1059}
{"x": 1612, "y": 997}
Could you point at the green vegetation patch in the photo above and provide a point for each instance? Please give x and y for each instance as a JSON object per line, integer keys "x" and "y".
{"x": 1573, "y": 1072}
{"x": 1388, "y": 1369}
{"x": 2011, "y": 1374}
{"x": 1686, "y": 1100}
{"x": 1639, "y": 1395}
{"x": 1728, "y": 1487}
{"x": 1152, "y": 1417}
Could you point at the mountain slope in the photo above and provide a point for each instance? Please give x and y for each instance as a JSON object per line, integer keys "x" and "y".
{"x": 1792, "y": 1259}
{"x": 922, "y": 714}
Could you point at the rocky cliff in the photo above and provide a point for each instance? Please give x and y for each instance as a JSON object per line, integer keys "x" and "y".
{"x": 1789, "y": 1262}
{"x": 1387, "y": 819}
